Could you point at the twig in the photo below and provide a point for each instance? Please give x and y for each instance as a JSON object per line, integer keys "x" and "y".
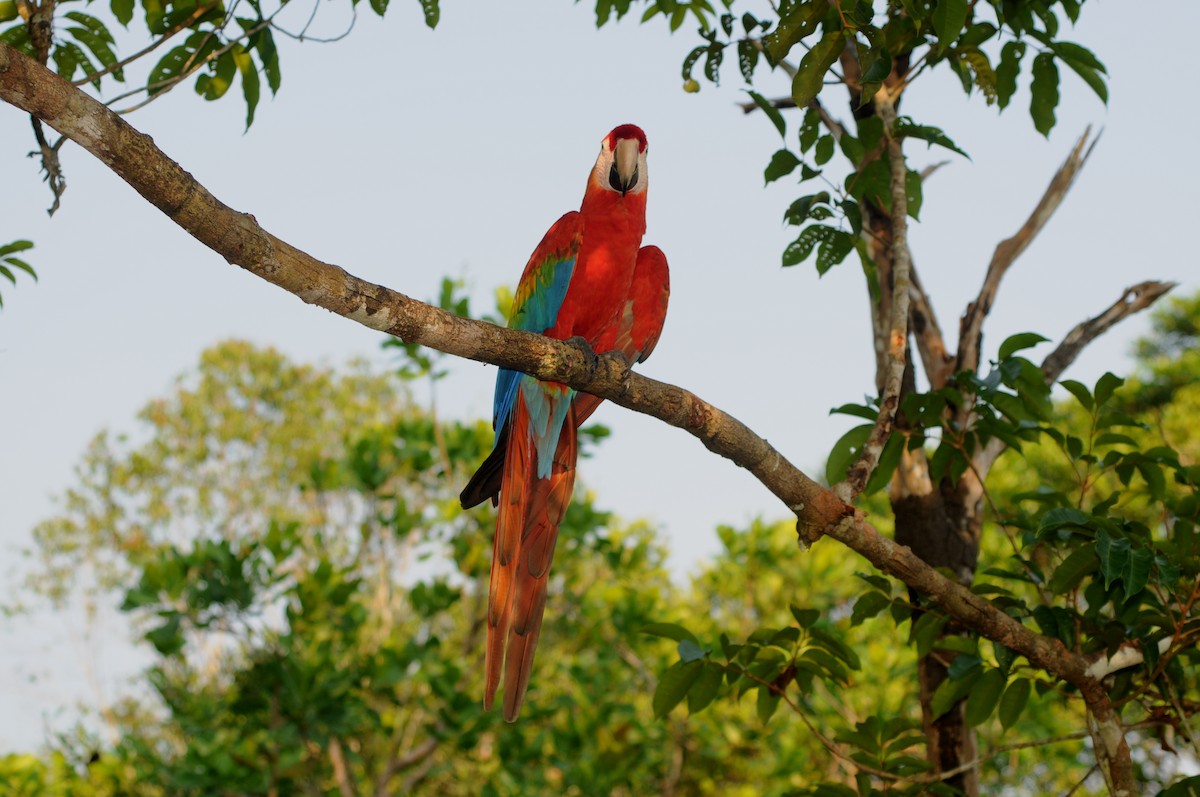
{"x": 928, "y": 171}
{"x": 184, "y": 25}
{"x": 897, "y": 340}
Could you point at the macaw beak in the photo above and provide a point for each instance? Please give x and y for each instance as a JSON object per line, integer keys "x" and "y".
{"x": 624, "y": 172}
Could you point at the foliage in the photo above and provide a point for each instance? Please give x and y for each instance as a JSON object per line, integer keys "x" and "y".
{"x": 345, "y": 614}
{"x": 10, "y": 263}
{"x": 222, "y": 44}
{"x": 869, "y": 47}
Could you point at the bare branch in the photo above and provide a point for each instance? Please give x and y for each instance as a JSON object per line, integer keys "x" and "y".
{"x": 931, "y": 344}
{"x": 341, "y": 772}
{"x": 1135, "y": 299}
{"x": 241, "y": 241}
{"x": 1008, "y": 250}
{"x": 897, "y": 342}
{"x": 928, "y": 171}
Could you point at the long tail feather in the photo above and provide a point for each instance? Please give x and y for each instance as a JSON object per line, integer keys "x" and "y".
{"x": 510, "y": 525}
{"x": 548, "y": 501}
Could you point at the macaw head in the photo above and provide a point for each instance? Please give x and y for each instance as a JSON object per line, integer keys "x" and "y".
{"x": 621, "y": 166}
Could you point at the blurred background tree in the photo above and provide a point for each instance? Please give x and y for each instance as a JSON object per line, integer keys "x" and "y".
{"x": 285, "y": 539}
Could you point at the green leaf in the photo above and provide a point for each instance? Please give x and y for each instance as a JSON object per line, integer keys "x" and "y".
{"x": 690, "y": 651}
{"x": 674, "y": 685}
{"x": 1068, "y": 574}
{"x": 747, "y": 59}
{"x": 123, "y": 11}
{"x": 705, "y": 689}
{"x": 767, "y": 703}
{"x": 833, "y": 251}
{"x": 670, "y": 631}
{"x": 984, "y": 696}
{"x": 868, "y": 605}
{"x": 1013, "y": 702}
{"x": 1136, "y": 571}
{"x": 1080, "y": 392}
{"x": 168, "y": 67}
{"x": 8, "y": 10}
{"x": 269, "y": 55}
{"x": 1114, "y": 555}
{"x": 250, "y": 84}
{"x": 432, "y": 12}
{"x": 810, "y": 75}
{"x": 1044, "y": 93}
{"x": 799, "y": 250}
{"x": 824, "y": 150}
{"x": 845, "y": 451}
{"x": 1106, "y": 385}
{"x": 1006, "y": 72}
{"x": 1018, "y": 342}
{"x": 905, "y": 128}
{"x": 804, "y": 617}
{"x": 783, "y": 163}
{"x": 799, "y": 211}
{"x": 17, "y": 262}
{"x": 379, "y": 6}
{"x": 213, "y": 86}
{"x": 793, "y": 26}
{"x": 15, "y": 246}
{"x": 771, "y": 111}
{"x": 949, "y": 17}
{"x": 914, "y": 191}
{"x": 951, "y": 690}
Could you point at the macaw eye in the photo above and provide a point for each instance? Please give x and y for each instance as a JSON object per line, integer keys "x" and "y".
{"x": 614, "y": 179}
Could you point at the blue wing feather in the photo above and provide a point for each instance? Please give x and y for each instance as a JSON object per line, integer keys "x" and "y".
{"x": 539, "y": 297}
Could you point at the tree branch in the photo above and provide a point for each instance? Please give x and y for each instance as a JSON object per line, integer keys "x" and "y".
{"x": 1135, "y": 299}
{"x": 1008, "y": 250}
{"x": 927, "y": 332}
{"x": 240, "y": 240}
{"x": 897, "y": 341}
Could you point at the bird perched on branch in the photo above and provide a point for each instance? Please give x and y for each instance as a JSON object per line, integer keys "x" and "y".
{"x": 590, "y": 277}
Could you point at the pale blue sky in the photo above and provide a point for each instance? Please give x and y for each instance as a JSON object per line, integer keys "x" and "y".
{"x": 405, "y": 155}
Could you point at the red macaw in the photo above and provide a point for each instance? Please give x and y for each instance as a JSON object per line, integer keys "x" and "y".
{"x": 587, "y": 278}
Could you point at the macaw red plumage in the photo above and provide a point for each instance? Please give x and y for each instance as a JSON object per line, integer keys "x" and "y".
{"x": 589, "y": 277}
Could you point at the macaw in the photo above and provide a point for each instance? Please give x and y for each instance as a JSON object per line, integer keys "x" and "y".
{"x": 591, "y": 278}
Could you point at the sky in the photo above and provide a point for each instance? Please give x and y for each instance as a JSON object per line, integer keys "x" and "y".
{"x": 405, "y": 155}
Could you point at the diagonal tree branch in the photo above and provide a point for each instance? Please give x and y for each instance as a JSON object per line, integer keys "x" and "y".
{"x": 241, "y": 241}
{"x": 1135, "y": 299}
{"x": 927, "y": 332}
{"x": 1008, "y": 250}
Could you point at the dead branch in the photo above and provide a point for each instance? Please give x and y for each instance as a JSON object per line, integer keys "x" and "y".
{"x": 928, "y": 171}
{"x": 927, "y": 332}
{"x": 1007, "y": 251}
{"x": 1133, "y": 300}
{"x": 241, "y": 241}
